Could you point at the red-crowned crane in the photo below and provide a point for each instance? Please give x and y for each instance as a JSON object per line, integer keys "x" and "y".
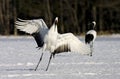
{"x": 50, "y": 39}
{"x": 91, "y": 36}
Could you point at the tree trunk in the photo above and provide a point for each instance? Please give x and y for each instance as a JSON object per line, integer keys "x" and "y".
{"x": 61, "y": 16}
{"x": 1, "y": 18}
{"x": 100, "y": 20}
{"x": 7, "y": 17}
{"x": 14, "y": 16}
{"x": 49, "y": 12}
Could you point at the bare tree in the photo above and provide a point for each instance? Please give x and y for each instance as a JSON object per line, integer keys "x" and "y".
{"x": 49, "y": 15}
{"x": 4, "y": 16}
{"x": 61, "y": 15}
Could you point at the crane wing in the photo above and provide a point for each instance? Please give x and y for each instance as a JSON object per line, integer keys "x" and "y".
{"x": 36, "y": 27}
{"x": 69, "y": 42}
{"x": 31, "y": 26}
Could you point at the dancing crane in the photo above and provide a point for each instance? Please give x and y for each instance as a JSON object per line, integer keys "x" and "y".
{"x": 91, "y": 36}
{"x": 51, "y": 40}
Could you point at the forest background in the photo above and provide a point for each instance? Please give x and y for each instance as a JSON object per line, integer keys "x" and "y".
{"x": 74, "y": 15}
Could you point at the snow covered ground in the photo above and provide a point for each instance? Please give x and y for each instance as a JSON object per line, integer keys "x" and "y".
{"x": 18, "y": 58}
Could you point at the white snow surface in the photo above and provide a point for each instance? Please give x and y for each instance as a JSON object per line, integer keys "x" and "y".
{"x": 19, "y": 56}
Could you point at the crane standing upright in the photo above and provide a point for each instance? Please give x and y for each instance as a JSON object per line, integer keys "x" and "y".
{"x": 91, "y": 36}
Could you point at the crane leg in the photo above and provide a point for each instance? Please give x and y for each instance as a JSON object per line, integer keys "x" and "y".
{"x": 39, "y": 61}
{"x": 91, "y": 48}
{"x": 49, "y": 62}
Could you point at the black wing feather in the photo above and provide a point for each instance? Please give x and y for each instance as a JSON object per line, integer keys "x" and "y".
{"x": 38, "y": 39}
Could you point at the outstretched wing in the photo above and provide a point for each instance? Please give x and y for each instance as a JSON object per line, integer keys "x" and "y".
{"x": 69, "y": 42}
{"x": 31, "y": 26}
{"x": 36, "y": 27}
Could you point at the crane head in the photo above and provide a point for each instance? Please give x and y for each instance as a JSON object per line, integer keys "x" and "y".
{"x": 94, "y": 23}
{"x": 56, "y": 20}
